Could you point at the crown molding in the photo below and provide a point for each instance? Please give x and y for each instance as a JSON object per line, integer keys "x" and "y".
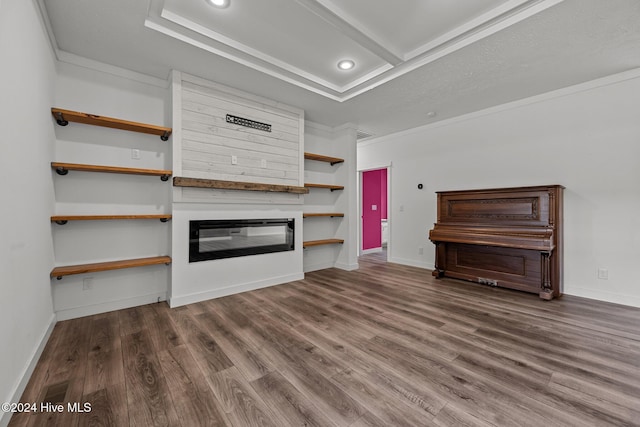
{"x": 558, "y": 93}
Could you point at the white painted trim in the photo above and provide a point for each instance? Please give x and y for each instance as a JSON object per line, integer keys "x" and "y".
{"x": 318, "y": 126}
{"x": 350, "y": 28}
{"x": 447, "y": 47}
{"x": 181, "y": 300}
{"x": 176, "y": 120}
{"x": 319, "y": 266}
{"x": 347, "y": 267}
{"x": 513, "y": 11}
{"x": 346, "y": 126}
{"x": 301, "y": 123}
{"x": 70, "y": 58}
{"x": 81, "y": 61}
{"x": 247, "y": 50}
{"x": 376, "y": 167}
{"x": 187, "y": 31}
{"x": 411, "y": 263}
{"x": 176, "y": 138}
{"x": 388, "y": 167}
{"x": 566, "y": 91}
{"x": 149, "y": 23}
{"x": 19, "y": 388}
{"x": 104, "y": 307}
{"x": 599, "y": 295}
{"x": 44, "y": 19}
{"x": 371, "y": 251}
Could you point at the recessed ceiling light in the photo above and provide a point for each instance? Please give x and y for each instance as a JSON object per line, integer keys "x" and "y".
{"x": 219, "y": 3}
{"x": 346, "y": 64}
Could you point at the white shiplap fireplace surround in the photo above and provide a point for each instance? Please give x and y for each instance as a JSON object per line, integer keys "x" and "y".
{"x": 206, "y": 146}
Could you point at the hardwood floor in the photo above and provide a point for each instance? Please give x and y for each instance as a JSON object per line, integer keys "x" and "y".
{"x": 386, "y": 345}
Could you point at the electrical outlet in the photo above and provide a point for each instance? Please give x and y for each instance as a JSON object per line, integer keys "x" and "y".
{"x": 87, "y": 283}
{"x": 234, "y": 160}
{"x": 135, "y": 154}
{"x": 603, "y": 273}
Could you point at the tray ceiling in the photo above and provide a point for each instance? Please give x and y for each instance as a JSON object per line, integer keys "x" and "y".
{"x": 301, "y": 41}
{"x": 418, "y": 61}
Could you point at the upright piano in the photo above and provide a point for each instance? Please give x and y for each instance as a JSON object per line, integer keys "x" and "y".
{"x": 507, "y": 237}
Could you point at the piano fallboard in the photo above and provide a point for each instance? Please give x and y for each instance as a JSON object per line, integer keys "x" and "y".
{"x": 509, "y": 237}
{"x": 538, "y": 239}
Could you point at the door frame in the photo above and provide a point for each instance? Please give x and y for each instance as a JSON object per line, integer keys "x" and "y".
{"x": 389, "y": 168}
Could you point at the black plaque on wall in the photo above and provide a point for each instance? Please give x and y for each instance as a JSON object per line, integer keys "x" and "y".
{"x": 248, "y": 123}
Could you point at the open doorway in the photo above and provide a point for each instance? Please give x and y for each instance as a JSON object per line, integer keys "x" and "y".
{"x": 374, "y": 203}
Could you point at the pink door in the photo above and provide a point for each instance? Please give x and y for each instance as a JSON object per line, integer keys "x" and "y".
{"x": 374, "y": 207}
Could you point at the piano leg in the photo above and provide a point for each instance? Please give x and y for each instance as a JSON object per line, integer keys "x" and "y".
{"x": 438, "y": 270}
{"x": 546, "y": 293}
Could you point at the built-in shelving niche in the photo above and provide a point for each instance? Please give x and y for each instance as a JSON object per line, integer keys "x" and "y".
{"x": 63, "y": 118}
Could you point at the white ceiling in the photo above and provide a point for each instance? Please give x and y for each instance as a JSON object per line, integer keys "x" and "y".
{"x": 413, "y": 57}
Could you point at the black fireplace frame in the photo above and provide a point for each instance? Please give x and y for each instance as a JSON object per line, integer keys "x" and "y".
{"x": 195, "y": 254}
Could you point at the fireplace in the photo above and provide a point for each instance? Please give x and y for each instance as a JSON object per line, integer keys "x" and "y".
{"x": 226, "y": 238}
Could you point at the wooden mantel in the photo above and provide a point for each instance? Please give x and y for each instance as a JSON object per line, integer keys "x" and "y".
{"x": 180, "y": 181}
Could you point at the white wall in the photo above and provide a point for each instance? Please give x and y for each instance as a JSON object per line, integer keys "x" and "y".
{"x": 86, "y": 90}
{"x": 26, "y": 146}
{"x": 586, "y": 138}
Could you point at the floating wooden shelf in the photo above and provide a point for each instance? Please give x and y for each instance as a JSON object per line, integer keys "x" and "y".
{"x": 62, "y": 219}
{"x": 63, "y": 117}
{"x": 330, "y": 214}
{"x": 329, "y": 186}
{"x": 321, "y": 158}
{"x": 179, "y": 181}
{"x": 64, "y": 168}
{"x": 310, "y": 243}
{"x": 58, "y": 272}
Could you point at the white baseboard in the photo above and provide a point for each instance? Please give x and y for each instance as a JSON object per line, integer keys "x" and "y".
{"x": 412, "y": 263}
{"x": 371, "y": 251}
{"x": 632, "y": 301}
{"x": 88, "y": 310}
{"x": 315, "y": 267}
{"x": 177, "y": 301}
{"x": 28, "y": 371}
{"x": 347, "y": 267}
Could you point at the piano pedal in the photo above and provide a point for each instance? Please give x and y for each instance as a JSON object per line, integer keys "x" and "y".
{"x": 490, "y": 282}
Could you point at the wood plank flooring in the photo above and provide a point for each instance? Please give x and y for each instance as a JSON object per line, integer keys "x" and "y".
{"x": 386, "y": 345}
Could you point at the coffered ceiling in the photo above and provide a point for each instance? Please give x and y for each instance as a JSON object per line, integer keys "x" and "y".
{"x": 416, "y": 61}
{"x": 302, "y": 41}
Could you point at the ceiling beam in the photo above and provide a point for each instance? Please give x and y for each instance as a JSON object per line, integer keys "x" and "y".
{"x": 351, "y": 31}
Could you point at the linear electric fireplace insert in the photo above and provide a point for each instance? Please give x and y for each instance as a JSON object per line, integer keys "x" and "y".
{"x": 228, "y": 238}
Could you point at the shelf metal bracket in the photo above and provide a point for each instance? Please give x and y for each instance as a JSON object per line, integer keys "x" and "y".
{"x": 165, "y": 136}
{"x": 60, "y": 170}
{"x": 164, "y": 219}
{"x": 59, "y": 278}
{"x": 164, "y": 177}
{"x": 61, "y": 221}
{"x": 60, "y": 119}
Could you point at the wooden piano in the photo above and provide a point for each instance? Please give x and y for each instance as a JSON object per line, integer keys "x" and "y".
{"x": 508, "y": 237}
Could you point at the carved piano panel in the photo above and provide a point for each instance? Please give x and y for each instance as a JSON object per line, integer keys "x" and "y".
{"x": 508, "y": 237}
